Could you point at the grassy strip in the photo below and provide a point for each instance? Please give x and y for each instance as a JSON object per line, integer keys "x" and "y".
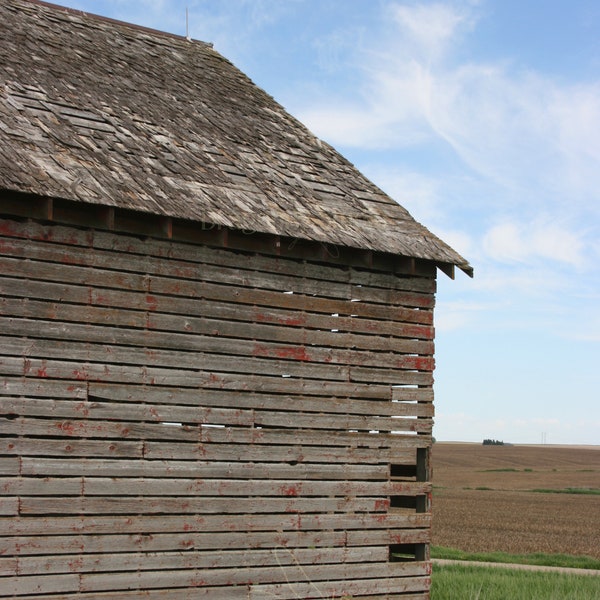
{"x": 508, "y": 470}
{"x": 452, "y": 582}
{"x": 577, "y": 491}
{"x": 588, "y": 491}
{"x": 548, "y": 560}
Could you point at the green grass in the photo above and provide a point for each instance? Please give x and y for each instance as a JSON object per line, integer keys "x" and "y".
{"x": 459, "y": 582}
{"x": 511, "y": 470}
{"x": 578, "y": 491}
{"x": 588, "y": 491}
{"x": 548, "y": 560}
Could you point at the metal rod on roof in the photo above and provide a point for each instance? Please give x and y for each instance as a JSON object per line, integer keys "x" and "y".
{"x": 187, "y": 24}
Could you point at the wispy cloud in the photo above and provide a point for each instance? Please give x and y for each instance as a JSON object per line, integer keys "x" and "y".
{"x": 512, "y": 241}
{"x": 429, "y": 30}
{"x": 515, "y": 127}
{"x": 525, "y": 152}
{"x": 523, "y": 132}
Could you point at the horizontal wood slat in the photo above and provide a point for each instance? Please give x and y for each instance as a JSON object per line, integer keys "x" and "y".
{"x": 139, "y": 561}
{"x": 189, "y": 415}
{"x": 210, "y": 434}
{"x": 180, "y": 421}
{"x": 33, "y": 505}
{"x": 208, "y": 523}
{"x": 80, "y": 240}
{"x": 314, "y": 581}
{"x": 131, "y": 309}
{"x": 268, "y": 358}
{"x": 44, "y": 544}
{"x": 140, "y": 486}
{"x": 290, "y": 453}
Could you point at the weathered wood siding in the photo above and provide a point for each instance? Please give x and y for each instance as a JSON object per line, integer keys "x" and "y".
{"x": 179, "y": 421}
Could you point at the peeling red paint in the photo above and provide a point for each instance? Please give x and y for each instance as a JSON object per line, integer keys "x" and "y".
{"x": 291, "y": 490}
{"x": 185, "y": 273}
{"x": 151, "y": 302}
{"x": 67, "y": 427}
{"x": 71, "y": 259}
{"x": 285, "y": 352}
{"x": 423, "y": 363}
{"x": 260, "y": 350}
{"x": 382, "y": 505}
{"x": 6, "y": 228}
{"x": 99, "y": 299}
{"x": 82, "y": 407}
{"x": 42, "y": 372}
{"x": 80, "y": 375}
{"x": 293, "y": 352}
{"x": 417, "y": 331}
{"x": 6, "y": 247}
{"x": 76, "y": 565}
{"x": 291, "y": 321}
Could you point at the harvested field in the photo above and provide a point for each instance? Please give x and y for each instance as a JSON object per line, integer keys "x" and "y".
{"x": 484, "y": 499}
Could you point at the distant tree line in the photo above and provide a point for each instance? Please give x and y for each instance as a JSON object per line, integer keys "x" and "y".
{"x": 493, "y": 443}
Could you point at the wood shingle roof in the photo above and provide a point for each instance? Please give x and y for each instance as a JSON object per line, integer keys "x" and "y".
{"x": 102, "y": 112}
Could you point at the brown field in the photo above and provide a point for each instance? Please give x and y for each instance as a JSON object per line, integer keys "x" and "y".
{"x": 507, "y": 516}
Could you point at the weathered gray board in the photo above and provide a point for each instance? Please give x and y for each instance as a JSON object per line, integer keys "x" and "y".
{"x": 179, "y": 421}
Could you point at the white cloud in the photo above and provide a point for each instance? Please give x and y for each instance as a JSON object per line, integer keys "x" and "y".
{"x": 393, "y": 102}
{"x": 350, "y": 125}
{"x": 392, "y": 105}
{"x": 528, "y": 134}
{"x": 534, "y": 137}
{"x": 418, "y": 193}
{"x": 429, "y": 29}
{"x": 461, "y": 241}
{"x": 512, "y": 241}
{"x": 526, "y": 206}
{"x": 451, "y": 316}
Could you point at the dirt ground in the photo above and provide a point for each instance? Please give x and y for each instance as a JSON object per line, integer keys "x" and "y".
{"x": 484, "y": 500}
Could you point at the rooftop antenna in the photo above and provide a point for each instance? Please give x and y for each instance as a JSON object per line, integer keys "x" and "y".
{"x": 187, "y": 25}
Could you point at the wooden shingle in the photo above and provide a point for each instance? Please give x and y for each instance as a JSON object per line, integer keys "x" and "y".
{"x": 105, "y": 113}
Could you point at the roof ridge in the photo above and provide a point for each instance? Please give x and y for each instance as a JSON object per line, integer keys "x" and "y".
{"x": 189, "y": 136}
{"x": 127, "y": 24}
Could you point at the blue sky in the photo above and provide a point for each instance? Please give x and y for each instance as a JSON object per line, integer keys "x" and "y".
{"x": 482, "y": 118}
